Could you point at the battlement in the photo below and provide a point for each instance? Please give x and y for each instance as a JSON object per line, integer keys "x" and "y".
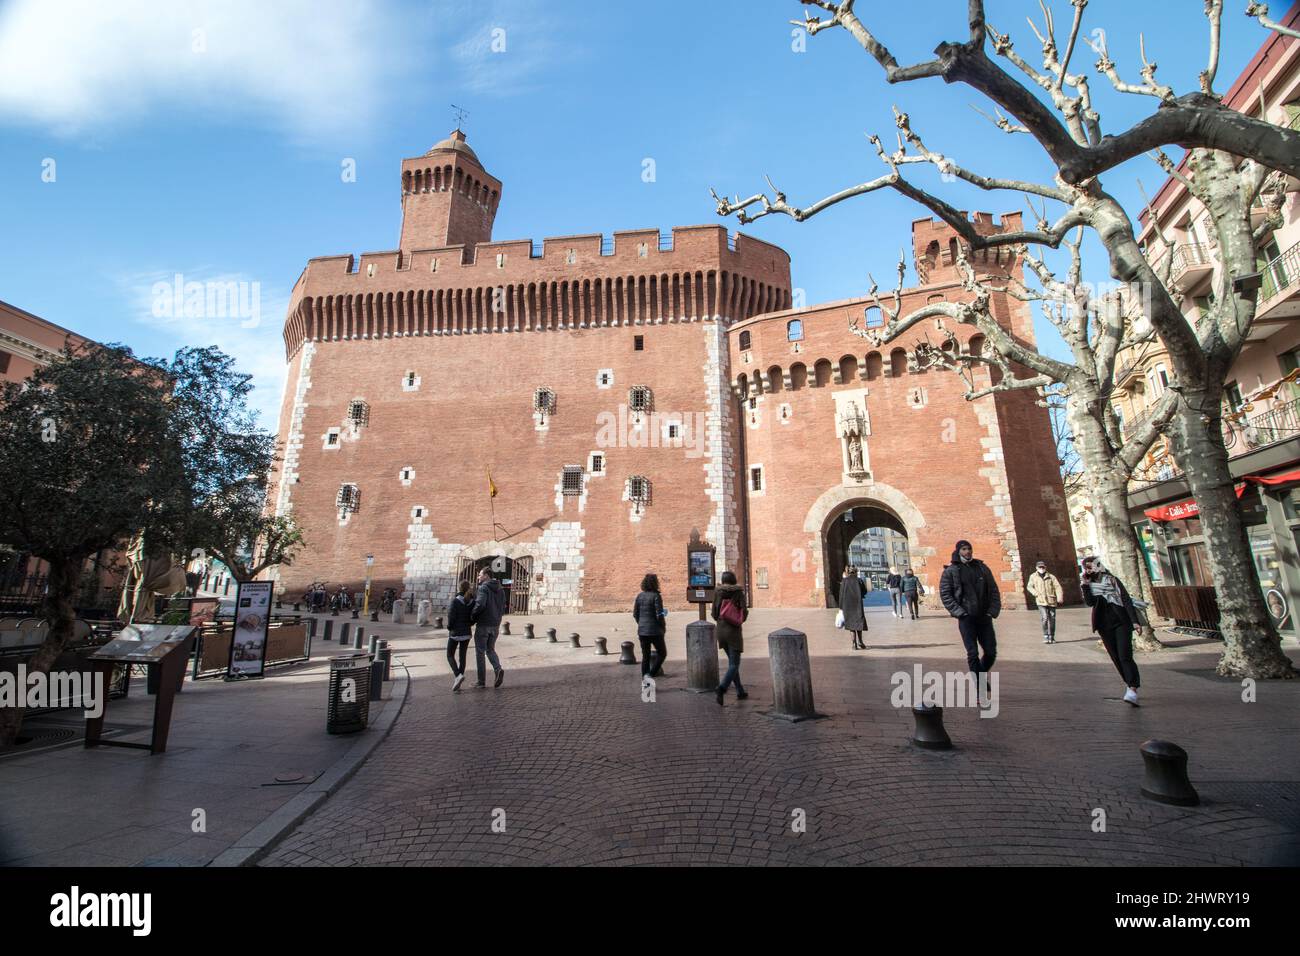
{"x": 935, "y": 244}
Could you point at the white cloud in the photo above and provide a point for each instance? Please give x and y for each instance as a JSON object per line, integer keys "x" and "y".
{"x": 235, "y": 312}
{"x": 316, "y": 68}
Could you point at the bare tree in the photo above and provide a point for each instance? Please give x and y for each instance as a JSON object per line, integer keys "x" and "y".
{"x": 1227, "y": 169}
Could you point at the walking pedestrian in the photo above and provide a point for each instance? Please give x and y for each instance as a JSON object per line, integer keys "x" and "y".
{"x": 970, "y": 593}
{"x": 851, "y": 606}
{"x": 648, "y": 609}
{"x": 1113, "y": 619}
{"x": 894, "y": 582}
{"x": 459, "y": 618}
{"x": 489, "y": 608}
{"x": 730, "y": 612}
{"x": 911, "y": 594}
{"x": 1045, "y": 589}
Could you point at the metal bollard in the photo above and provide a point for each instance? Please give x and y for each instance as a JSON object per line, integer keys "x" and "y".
{"x": 627, "y": 655}
{"x": 376, "y": 680}
{"x": 329, "y": 630}
{"x": 654, "y": 661}
{"x": 1165, "y": 779}
{"x": 356, "y": 613}
{"x": 334, "y": 612}
{"x": 701, "y": 657}
{"x": 505, "y": 627}
{"x": 550, "y": 636}
{"x": 528, "y": 632}
{"x": 311, "y": 628}
{"x": 437, "y": 622}
{"x": 356, "y": 640}
{"x": 792, "y": 692}
{"x": 344, "y": 631}
{"x": 601, "y": 649}
{"x": 361, "y": 631}
{"x": 574, "y": 640}
{"x": 386, "y": 655}
{"x": 930, "y": 733}
{"x": 374, "y": 617}
{"x": 374, "y": 644}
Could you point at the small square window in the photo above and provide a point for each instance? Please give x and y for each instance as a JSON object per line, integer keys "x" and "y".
{"x": 638, "y": 343}
{"x": 672, "y": 431}
{"x": 332, "y": 438}
{"x": 597, "y": 464}
{"x": 794, "y": 330}
{"x": 572, "y": 481}
{"x": 756, "y": 479}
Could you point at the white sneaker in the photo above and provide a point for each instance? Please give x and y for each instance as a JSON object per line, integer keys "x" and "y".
{"x": 460, "y": 679}
{"x": 1131, "y": 697}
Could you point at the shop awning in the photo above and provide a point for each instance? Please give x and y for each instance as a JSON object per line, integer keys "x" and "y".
{"x": 1278, "y": 479}
{"x": 1187, "y": 508}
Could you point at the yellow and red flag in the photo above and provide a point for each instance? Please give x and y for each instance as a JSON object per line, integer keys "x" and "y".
{"x": 492, "y": 485}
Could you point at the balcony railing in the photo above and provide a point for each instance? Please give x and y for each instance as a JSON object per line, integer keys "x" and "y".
{"x": 1280, "y": 274}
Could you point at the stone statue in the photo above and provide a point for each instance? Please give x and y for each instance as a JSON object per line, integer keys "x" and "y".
{"x": 855, "y": 454}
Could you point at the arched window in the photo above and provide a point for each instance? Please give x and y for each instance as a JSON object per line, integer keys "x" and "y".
{"x": 822, "y": 370}
{"x": 774, "y": 381}
{"x": 848, "y": 368}
{"x": 873, "y": 316}
{"x": 744, "y": 341}
{"x": 875, "y": 366}
{"x": 794, "y": 330}
{"x": 897, "y": 363}
{"x": 798, "y": 375}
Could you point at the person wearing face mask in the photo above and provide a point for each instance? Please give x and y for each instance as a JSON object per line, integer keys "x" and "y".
{"x": 1113, "y": 618}
{"x": 1045, "y": 589}
{"x": 970, "y": 593}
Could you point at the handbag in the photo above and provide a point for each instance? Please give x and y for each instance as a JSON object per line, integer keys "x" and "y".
{"x": 839, "y": 618}
{"x": 731, "y": 614}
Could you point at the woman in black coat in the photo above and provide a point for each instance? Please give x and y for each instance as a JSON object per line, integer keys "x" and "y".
{"x": 851, "y": 606}
{"x": 650, "y": 625}
{"x": 731, "y": 636}
{"x": 1113, "y": 619}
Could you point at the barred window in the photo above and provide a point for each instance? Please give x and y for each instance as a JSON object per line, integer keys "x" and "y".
{"x": 572, "y": 481}
{"x": 349, "y": 499}
{"x": 744, "y": 341}
{"x": 640, "y": 398}
{"x": 358, "y": 413}
{"x": 638, "y": 489}
{"x": 544, "y": 401}
{"x": 597, "y": 464}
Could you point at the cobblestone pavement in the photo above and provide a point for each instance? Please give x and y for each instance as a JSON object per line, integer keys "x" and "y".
{"x": 575, "y": 768}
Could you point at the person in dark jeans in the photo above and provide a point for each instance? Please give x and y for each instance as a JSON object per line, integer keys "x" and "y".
{"x": 1113, "y": 619}
{"x": 970, "y": 593}
{"x": 730, "y": 635}
{"x": 651, "y": 626}
{"x": 459, "y": 618}
{"x": 911, "y": 593}
{"x": 489, "y": 608}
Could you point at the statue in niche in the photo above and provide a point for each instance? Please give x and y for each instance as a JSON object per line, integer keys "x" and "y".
{"x": 853, "y": 428}
{"x": 855, "y": 454}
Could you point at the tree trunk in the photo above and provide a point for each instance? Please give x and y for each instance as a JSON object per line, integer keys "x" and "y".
{"x": 59, "y": 612}
{"x": 1253, "y": 647}
{"x": 1107, "y": 483}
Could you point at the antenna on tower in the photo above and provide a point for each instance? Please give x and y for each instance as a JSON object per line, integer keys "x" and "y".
{"x": 460, "y": 115}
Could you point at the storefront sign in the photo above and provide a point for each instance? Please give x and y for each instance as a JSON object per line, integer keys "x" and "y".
{"x": 1182, "y": 509}
{"x": 252, "y": 620}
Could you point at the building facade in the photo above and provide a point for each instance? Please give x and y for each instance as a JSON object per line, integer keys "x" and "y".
{"x": 567, "y": 412}
{"x": 1261, "y": 402}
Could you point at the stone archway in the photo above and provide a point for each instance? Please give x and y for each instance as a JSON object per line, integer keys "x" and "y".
{"x": 893, "y": 507}
{"x": 523, "y": 559}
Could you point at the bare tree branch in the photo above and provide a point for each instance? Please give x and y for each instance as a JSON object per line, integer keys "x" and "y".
{"x": 1260, "y": 12}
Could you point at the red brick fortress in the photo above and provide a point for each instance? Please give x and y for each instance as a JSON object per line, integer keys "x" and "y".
{"x": 601, "y": 384}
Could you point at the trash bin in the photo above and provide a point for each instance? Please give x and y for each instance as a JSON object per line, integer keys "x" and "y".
{"x": 348, "y": 710}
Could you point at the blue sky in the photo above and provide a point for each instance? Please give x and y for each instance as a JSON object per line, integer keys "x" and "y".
{"x": 207, "y": 139}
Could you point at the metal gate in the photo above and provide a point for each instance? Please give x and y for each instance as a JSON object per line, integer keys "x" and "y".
{"x": 520, "y": 576}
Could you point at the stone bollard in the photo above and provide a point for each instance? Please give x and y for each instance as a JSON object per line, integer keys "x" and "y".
{"x": 601, "y": 649}
{"x": 424, "y": 613}
{"x": 528, "y": 632}
{"x": 399, "y": 611}
{"x": 930, "y": 733}
{"x": 344, "y": 631}
{"x": 329, "y": 631}
{"x": 792, "y": 692}
{"x": 437, "y": 622}
{"x": 627, "y": 655}
{"x": 574, "y": 640}
{"x": 1165, "y": 780}
{"x": 701, "y": 657}
{"x": 356, "y": 613}
{"x": 550, "y": 636}
{"x": 505, "y": 627}
{"x": 374, "y": 617}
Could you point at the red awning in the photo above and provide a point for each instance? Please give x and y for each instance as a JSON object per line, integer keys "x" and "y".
{"x": 1279, "y": 479}
{"x": 1185, "y": 509}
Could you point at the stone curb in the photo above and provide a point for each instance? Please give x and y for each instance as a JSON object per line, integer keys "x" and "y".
{"x": 259, "y": 841}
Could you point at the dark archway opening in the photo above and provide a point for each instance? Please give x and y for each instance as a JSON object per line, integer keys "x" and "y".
{"x": 515, "y": 575}
{"x": 843, "y": 528}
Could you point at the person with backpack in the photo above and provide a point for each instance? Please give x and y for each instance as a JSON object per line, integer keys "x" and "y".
{"x": 730, "y": 612}
{"x": 460, "y": 616}
{"x": 489, "y": 608}
{"x": 853, "y": 620}
{"x": 894, "y": 582}
{"x": 651, "y": 626}
{"x": 970, "y": 593}
{"x": 911, "y": 593}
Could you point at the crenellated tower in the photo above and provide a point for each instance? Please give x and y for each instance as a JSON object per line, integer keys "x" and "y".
{"x": 448, "y": 199}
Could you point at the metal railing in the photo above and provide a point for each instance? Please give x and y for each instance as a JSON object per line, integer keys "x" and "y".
{"x": 1188, "y": 254}
{"x": 1281, "y": 273}
{"x": 606, "y": 245}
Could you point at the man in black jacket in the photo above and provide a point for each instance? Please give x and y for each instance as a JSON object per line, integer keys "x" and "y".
{"x": 489, "y": 608}
{"x": 970, "y": 593}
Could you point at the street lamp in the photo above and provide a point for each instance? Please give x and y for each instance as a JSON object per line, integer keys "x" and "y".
{"x": 365, "y": 604}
